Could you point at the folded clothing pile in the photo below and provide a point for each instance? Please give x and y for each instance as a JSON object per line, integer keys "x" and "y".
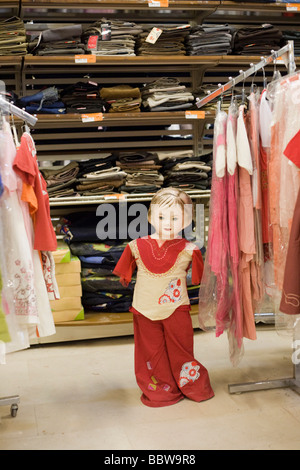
{"x": 210, "y": 39}
{"x": 101, "y": 290}
{"x": 257, "y": 40}
{"x": 83, "y": 97}
{"x": 61, "y": 180}
{"x": 292, "y": 35}
{"x": 122, "y": 98}
{"x": 65, "y": 40}
{"x": 113, "y": 37}
{"x": 46, "y": 101}
{"x": 99, "y": 176}
{"x": 13, "y": 39}
{"x": 142, "y": 170}
{"x": 183, "y": 170}
{"x": 170, "y": 42}
{"x": 67, "y": 273}
{"x": 166, "y": 94}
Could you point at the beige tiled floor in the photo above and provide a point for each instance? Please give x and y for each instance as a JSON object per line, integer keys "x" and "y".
{"x": 83, "y": 395}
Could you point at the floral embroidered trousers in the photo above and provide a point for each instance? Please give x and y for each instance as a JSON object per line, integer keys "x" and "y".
{"x": 165, "y": 368}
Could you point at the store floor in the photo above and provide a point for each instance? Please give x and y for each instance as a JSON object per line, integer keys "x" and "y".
{"x": 83, "y": 395}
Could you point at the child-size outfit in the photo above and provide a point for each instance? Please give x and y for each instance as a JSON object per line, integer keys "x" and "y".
{"x": 165, "y": 367}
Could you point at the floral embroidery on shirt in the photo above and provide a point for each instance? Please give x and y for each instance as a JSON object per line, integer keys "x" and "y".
{"x": 172, "y": 293}
{"x": 24, "y": 294}
{"x": 189, "y": 373}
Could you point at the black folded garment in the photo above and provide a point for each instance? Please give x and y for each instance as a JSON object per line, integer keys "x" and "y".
{"x": 83, "y": 97}
{"x": 257, "y": 40}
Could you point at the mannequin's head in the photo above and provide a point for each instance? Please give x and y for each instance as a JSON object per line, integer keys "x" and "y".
{"x": 170, "y": 212}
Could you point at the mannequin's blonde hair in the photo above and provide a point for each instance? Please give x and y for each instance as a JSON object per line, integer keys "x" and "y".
{"x": 167, "y": 197}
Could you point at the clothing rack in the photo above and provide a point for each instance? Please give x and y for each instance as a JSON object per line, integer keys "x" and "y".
{"x": 287, "y": 49}
{"x": 294, "y": 381}
{"x": 10, "y": 108}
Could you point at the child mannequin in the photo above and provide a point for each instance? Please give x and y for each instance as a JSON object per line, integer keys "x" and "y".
{"x": 165, "y": 367}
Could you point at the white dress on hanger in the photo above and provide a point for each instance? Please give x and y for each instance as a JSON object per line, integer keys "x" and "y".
{"x": 18, "y": 295}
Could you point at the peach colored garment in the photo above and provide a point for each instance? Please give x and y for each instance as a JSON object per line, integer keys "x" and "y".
{"x": 245, "y": 229}
{"x": 284, "y": 178}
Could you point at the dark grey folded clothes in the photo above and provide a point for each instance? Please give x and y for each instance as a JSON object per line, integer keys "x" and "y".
{"x": 210, "y": 40}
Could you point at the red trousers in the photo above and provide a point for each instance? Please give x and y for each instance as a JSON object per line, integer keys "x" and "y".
{"x": 165, "y": 368}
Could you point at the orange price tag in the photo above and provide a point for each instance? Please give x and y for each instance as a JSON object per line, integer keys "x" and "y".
{"x": 195, "y": 114}
{"x": 92, "y": 117}
{"x": 115, "y": 196}
{"x": 293, "y": 7}
{"x": 85, "y": 59}
{"x": 158, "y": 3}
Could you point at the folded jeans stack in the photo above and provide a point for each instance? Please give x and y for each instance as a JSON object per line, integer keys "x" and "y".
{"x": 122, "y": 98}
{"x": 61, "y": 181}
{"x": 142, "y": 171}
{"x": 114, "y": 37}
{"x": 185, "y": 171}
{"x": 99, "y": 176}
{"x": 101, "y": 290}
{"x": 258, "y": 40}
{"x": 170, "y": 42}
{"x": 210, "y": 39}
{"x": 293, "y": 35}
{"x": 65, "y": 40}
{"x": 44, "y": 102}
{"x": 13, "y": 37}
{"x": 83, "y": 97}
{"x": 166, "y": 94}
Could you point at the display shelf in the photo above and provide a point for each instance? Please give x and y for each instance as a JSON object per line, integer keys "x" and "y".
{"x": 256, "y": 7}
{"x": 89, "y": 200}
{"x": 123, "y": 5}
{"x": 99, "y": 325}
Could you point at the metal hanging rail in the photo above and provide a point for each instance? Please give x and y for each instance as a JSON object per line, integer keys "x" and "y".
{"x": 287, "y": 49}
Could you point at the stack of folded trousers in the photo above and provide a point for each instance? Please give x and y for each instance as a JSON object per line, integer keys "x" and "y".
{"x": 293, "y": 35}
{"x": 61, "y": 181}
{"x": 170, "y": 42}
{"x": 187, "y": 173}
{"x": 166, "y": 94}
{"x": 13, "y": 39}
{"x": 83, "y": 97}
{"x": 46, "y": 101}
{"x": 101, "y": 290}
{"x": 115, "y": 37}
{"x": 142, "y": 171}
{"x": 65, "y": 40}
{"x": 259, "y": 40}
{"x": 122, "y": 98}
{"x": 210, "y": 39}
{"x": 99, "y": 176}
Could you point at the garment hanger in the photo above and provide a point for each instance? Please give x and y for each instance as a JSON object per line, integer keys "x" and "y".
{"x": 14, "y": 131}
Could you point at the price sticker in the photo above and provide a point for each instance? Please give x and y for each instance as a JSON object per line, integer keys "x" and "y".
{"x": 158, "y": 3}
{"x": 153, "y": 35}
{"x": 293, "y": 7}
{"x": 115, "y": 196}
{"x": 92, "y": 117}
{"x": 195, "y": 114}
{"x": 85, "y": 59}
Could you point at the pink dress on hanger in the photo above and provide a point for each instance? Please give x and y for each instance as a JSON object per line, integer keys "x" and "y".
{"x": 245, "y": 224}
{"x": 214, "y": 289}
{"x": 236, "y": 328}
